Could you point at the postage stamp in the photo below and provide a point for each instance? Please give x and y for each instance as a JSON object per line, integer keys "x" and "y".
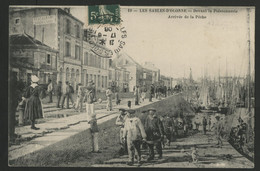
{"x": 104, "y": 14}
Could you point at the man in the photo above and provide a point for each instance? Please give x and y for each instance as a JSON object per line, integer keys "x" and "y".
{"x": 89, "y": 99}
{"x": 204, "y": 123}
{"x": 66, "y": 90}
{"x": 59, "y": 93}
{"x": 94, "y": 134}
{"x": 117, "y": 98}
{"x": 80, "y": 96}
{"x": 176, "y": 126}
{"x": 13, "y": 102}
{"x": 168, "y": 128}
{"x": 135, "y": 133}
{"x": 109, "y": 99}
{"x": 151, "y": 92}
{"x": 137, "y": 95}
{"x": 219, "y": 131}
{"x": 120, "y": 121}
{"x": 154, "y": 132}
{"x": 143, "y": 117}
{"x": 71, "y": 91}
{"x": 209, "y": 124}
{"x": 50, "y": 89}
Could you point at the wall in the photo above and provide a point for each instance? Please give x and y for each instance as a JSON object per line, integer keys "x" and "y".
{"x": 49, "y": 35}
{"x": 132, "y": 75}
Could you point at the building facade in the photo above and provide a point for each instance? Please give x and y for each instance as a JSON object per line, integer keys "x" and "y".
{"x": 56, "y": 28}
{"x": 94, "y": 68}
{"x": 29, "y": 56}
{"x": 167, "y": 81}
{"x": 135, "y": 70}
{"x": 155, "y": 71}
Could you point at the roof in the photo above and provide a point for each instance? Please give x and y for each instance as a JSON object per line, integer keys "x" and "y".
{"x": 130, "y": 58}
{"x": 17, "y": 9}
{"x": 150, "y": 66}
{"x": 26, "y": 40}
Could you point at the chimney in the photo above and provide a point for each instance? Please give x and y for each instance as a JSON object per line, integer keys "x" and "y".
{"x": 67, "y": 10}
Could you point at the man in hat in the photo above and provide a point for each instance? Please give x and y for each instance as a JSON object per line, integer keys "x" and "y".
{"x": 137, "y": 95}
{"x": 50, "y": 90}
{"x": 219, "y": 131}
{"x": 204, "y": 123}
{"x": 89, "y": 99}
{"x": 168, "y": 128}
{"x": 134, "y": 133}
{"x": 94, "y": 134}
{"x": 143, "y": 116}
{"x": 80, "y": 96}
{"x": 66, "y": 90}
{"x": 209, "y": 124}
{"x": 59, "y": 93}
{"x": 120, "y": 121}
{"x": 154, "y": 132}
{"x": 109, "y": 99}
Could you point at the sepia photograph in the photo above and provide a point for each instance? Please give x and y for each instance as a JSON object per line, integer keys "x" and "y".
{"x": 131, "y": 86}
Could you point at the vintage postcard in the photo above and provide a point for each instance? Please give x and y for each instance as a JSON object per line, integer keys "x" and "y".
{"x": 131, "y": 86}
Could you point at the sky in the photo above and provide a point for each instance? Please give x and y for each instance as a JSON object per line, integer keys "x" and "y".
{"x": 207, "y": 46}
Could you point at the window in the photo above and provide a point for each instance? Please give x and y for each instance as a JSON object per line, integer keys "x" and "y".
{"x": 98, "y": 80}
{"x": 86, "y": 58}
{"x": 67, "y": 49}
{"x": 77, "y": 31}
{"x": 17, "y": 21}
{"x": 68, "y": 23}
{"x": 48, "y": 59}
{"x": 110, "y": 62}
{"x": 86, "y": 80}
{"x": 77, "y": 50}
{"x": 105, "y": 81}
{"x": 110, "y": 75}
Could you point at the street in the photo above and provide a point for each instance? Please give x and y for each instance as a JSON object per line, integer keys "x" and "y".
{"x": 71, "y": 146}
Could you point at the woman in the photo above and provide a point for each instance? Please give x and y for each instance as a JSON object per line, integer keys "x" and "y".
{"x": 33, "y": 108}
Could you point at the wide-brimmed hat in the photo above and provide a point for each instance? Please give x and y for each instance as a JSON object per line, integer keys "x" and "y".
{"x": 121, "y": 109}
{"x": 151, "y": 109}
{"x": 131, "y": 111}
{"x": 34, "y": 78}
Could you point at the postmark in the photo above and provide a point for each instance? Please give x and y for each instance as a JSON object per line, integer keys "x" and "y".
{"x": 104, "y": 14}
{"x": 107, "y": 40}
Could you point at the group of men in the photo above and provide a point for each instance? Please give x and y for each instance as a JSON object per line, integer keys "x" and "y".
{"x": 64, "y": 93}
{"x": 147, "y": 130}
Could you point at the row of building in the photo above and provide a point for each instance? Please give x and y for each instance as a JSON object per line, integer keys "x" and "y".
{"x": 53, "y": 44}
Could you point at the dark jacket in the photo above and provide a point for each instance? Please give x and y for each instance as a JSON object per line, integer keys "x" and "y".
{"x": 153, "y": 128}
{"x": 58, "y": 90}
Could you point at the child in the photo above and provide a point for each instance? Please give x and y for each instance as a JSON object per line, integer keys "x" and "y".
{"x": 194, "y": 154}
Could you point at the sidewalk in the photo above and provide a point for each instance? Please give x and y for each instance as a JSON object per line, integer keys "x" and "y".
{"x": 57, "y": 129}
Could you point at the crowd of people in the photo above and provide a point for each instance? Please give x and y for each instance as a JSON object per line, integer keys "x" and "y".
{"x": 146, "y": 130}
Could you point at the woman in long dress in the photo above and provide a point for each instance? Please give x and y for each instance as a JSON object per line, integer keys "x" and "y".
{"x": 33, "y": 108}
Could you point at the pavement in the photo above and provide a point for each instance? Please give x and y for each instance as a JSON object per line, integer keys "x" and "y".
{"x": 178, "y": 155}
{"x": 60, "y": 124}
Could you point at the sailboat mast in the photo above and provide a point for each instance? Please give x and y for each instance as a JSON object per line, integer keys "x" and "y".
{"x": 248, "y": 89}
